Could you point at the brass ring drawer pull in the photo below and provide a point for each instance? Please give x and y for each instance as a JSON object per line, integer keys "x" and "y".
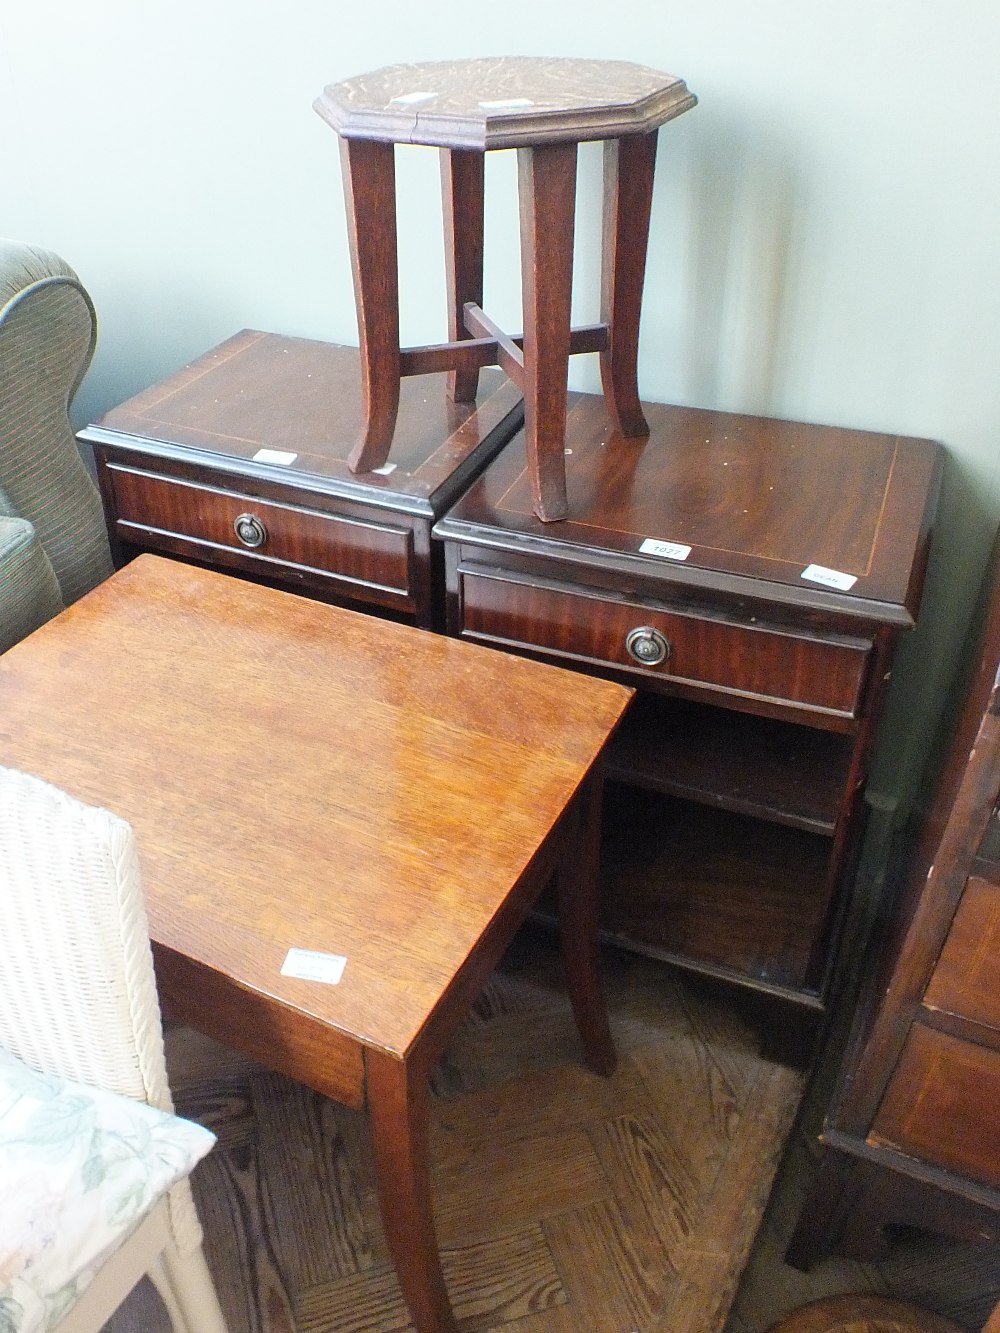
{"x": 647, "y": 646}
{"x": 250, "y": 530}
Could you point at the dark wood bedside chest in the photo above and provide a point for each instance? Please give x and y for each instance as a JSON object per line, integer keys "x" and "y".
{"x": 751, "y": 577}
{"x": 239, "y": 462}
{"x": 912, "y": 1133}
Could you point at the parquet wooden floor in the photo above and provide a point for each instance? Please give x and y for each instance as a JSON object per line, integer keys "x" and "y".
{"x": 565, "y": 1203}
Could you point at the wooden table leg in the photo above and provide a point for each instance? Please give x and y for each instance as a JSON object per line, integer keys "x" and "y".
{"x": 576, "y": 884}
{"x": 463, "y": 176}
{"x": 369, "y": 171}
{"x": 628, "y": 197}
{"x": 397, "y": 1111}
{"x": 547, "y": 193}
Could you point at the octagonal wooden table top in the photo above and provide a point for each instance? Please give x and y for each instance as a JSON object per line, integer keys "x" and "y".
{"x": 503, "y": 102}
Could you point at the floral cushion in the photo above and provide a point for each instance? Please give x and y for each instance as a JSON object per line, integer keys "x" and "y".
{"x": 79, "y": 1170}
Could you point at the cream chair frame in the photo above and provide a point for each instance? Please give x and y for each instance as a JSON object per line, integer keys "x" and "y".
{"x": 78, "y": 1001}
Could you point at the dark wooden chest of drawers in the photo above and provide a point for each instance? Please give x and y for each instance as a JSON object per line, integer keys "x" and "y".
{"x": 239, "y": 461}
{"x": 750, "y": 577}
{"x": 913, "y": 1132}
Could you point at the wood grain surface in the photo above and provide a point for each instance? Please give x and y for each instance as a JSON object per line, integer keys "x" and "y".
{"x": 863, "y": 1314}
{"x": 939, "y": 1104}
{"x": 683, "y": 567}
{"x": 756, "y": 499}
{"x": 564, "y": 1203}
{"x": 685, "y": 1136}
{"x": 304, "y": 397}
{"x": 369, "y": 175}
{"x": 503, "y": 101}
{"x": 708, "y": 654}
{"x": 362, "y": 552}
{"x": 546, "y": 181}
{"x": 912, "y": 1136}
{"x": 629, "y": 165}
{"x": 966, "y": 980}
{"x": 301, "y": 776}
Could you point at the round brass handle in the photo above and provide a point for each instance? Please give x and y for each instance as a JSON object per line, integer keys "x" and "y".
{"x": 647, "y": 646}
{"x": 250, "y": 530}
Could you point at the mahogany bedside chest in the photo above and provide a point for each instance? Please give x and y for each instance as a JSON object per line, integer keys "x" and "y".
{"x": 239, "y": 462}
{"x": 912, "y": 1133}
{"x": 751, "y": 578}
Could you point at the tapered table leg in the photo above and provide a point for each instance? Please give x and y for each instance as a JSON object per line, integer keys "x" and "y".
{"x": 397, "y": 1111}
{"x": 370, "y": 191}
{"x": 628, "y": 196}
{"x": 576, "y": 885}
{"x": 547, "y": 193}
{"x": 463, "y": 176}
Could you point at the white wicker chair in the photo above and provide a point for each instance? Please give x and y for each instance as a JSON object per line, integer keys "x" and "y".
{"x": 78, "y": 1002}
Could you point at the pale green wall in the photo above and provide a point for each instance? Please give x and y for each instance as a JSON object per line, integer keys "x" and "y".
{"x": 825, "y": 227}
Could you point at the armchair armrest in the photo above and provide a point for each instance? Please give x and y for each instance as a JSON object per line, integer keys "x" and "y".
{"x": 47, "y": 335}
{"x": 29, "y": 589}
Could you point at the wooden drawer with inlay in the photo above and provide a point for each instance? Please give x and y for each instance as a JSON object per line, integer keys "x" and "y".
{"x": 240, "y": 461}
{"x": 360, "y": 557}
{"x": 750, "y": 578}
{"x": 701, "y": 654}
{"x": 934, "y": 1107}
{"x": 966, "y": 980}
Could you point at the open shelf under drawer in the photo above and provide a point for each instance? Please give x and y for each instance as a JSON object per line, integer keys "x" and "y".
{"x": 721, "y": 892}
{"x": 778, "y": 771}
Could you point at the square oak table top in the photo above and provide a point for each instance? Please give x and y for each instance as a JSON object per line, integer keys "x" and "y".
{"x": 300, "y": 776}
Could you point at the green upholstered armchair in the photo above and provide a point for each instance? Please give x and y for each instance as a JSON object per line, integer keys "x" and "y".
{"x": 53, "y": 544}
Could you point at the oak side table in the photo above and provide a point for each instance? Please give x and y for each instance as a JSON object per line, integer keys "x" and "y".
{"x": 342, "y": 823}
{"x": 751, "y": 578}
{"x": 239, "y": 462}
{"x": 543, "y": 107}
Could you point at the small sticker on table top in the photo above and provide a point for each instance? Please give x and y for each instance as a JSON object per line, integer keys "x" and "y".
{"x": 832, "y": 578}
{"x": 507, "y": 104}
{"x": 313, "y": 965}
{"x": 278, "y": 456}
{"x": 665, "y": 550}
{"x": 411, "y": 99}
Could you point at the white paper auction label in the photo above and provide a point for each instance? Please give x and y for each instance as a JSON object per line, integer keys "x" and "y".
{"x": 312, "y": 965}
{"x": 832, "y": 578}
{"x": 666, "y": 550}
{"x": 279, "y": 456}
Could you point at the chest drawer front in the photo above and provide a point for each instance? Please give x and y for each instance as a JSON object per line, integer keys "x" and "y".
{"x": 966, "y": 980}
{"x": 175, "y": 514}
{"x": 934, "y": 1107}
{"x": 703, "y": 652}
